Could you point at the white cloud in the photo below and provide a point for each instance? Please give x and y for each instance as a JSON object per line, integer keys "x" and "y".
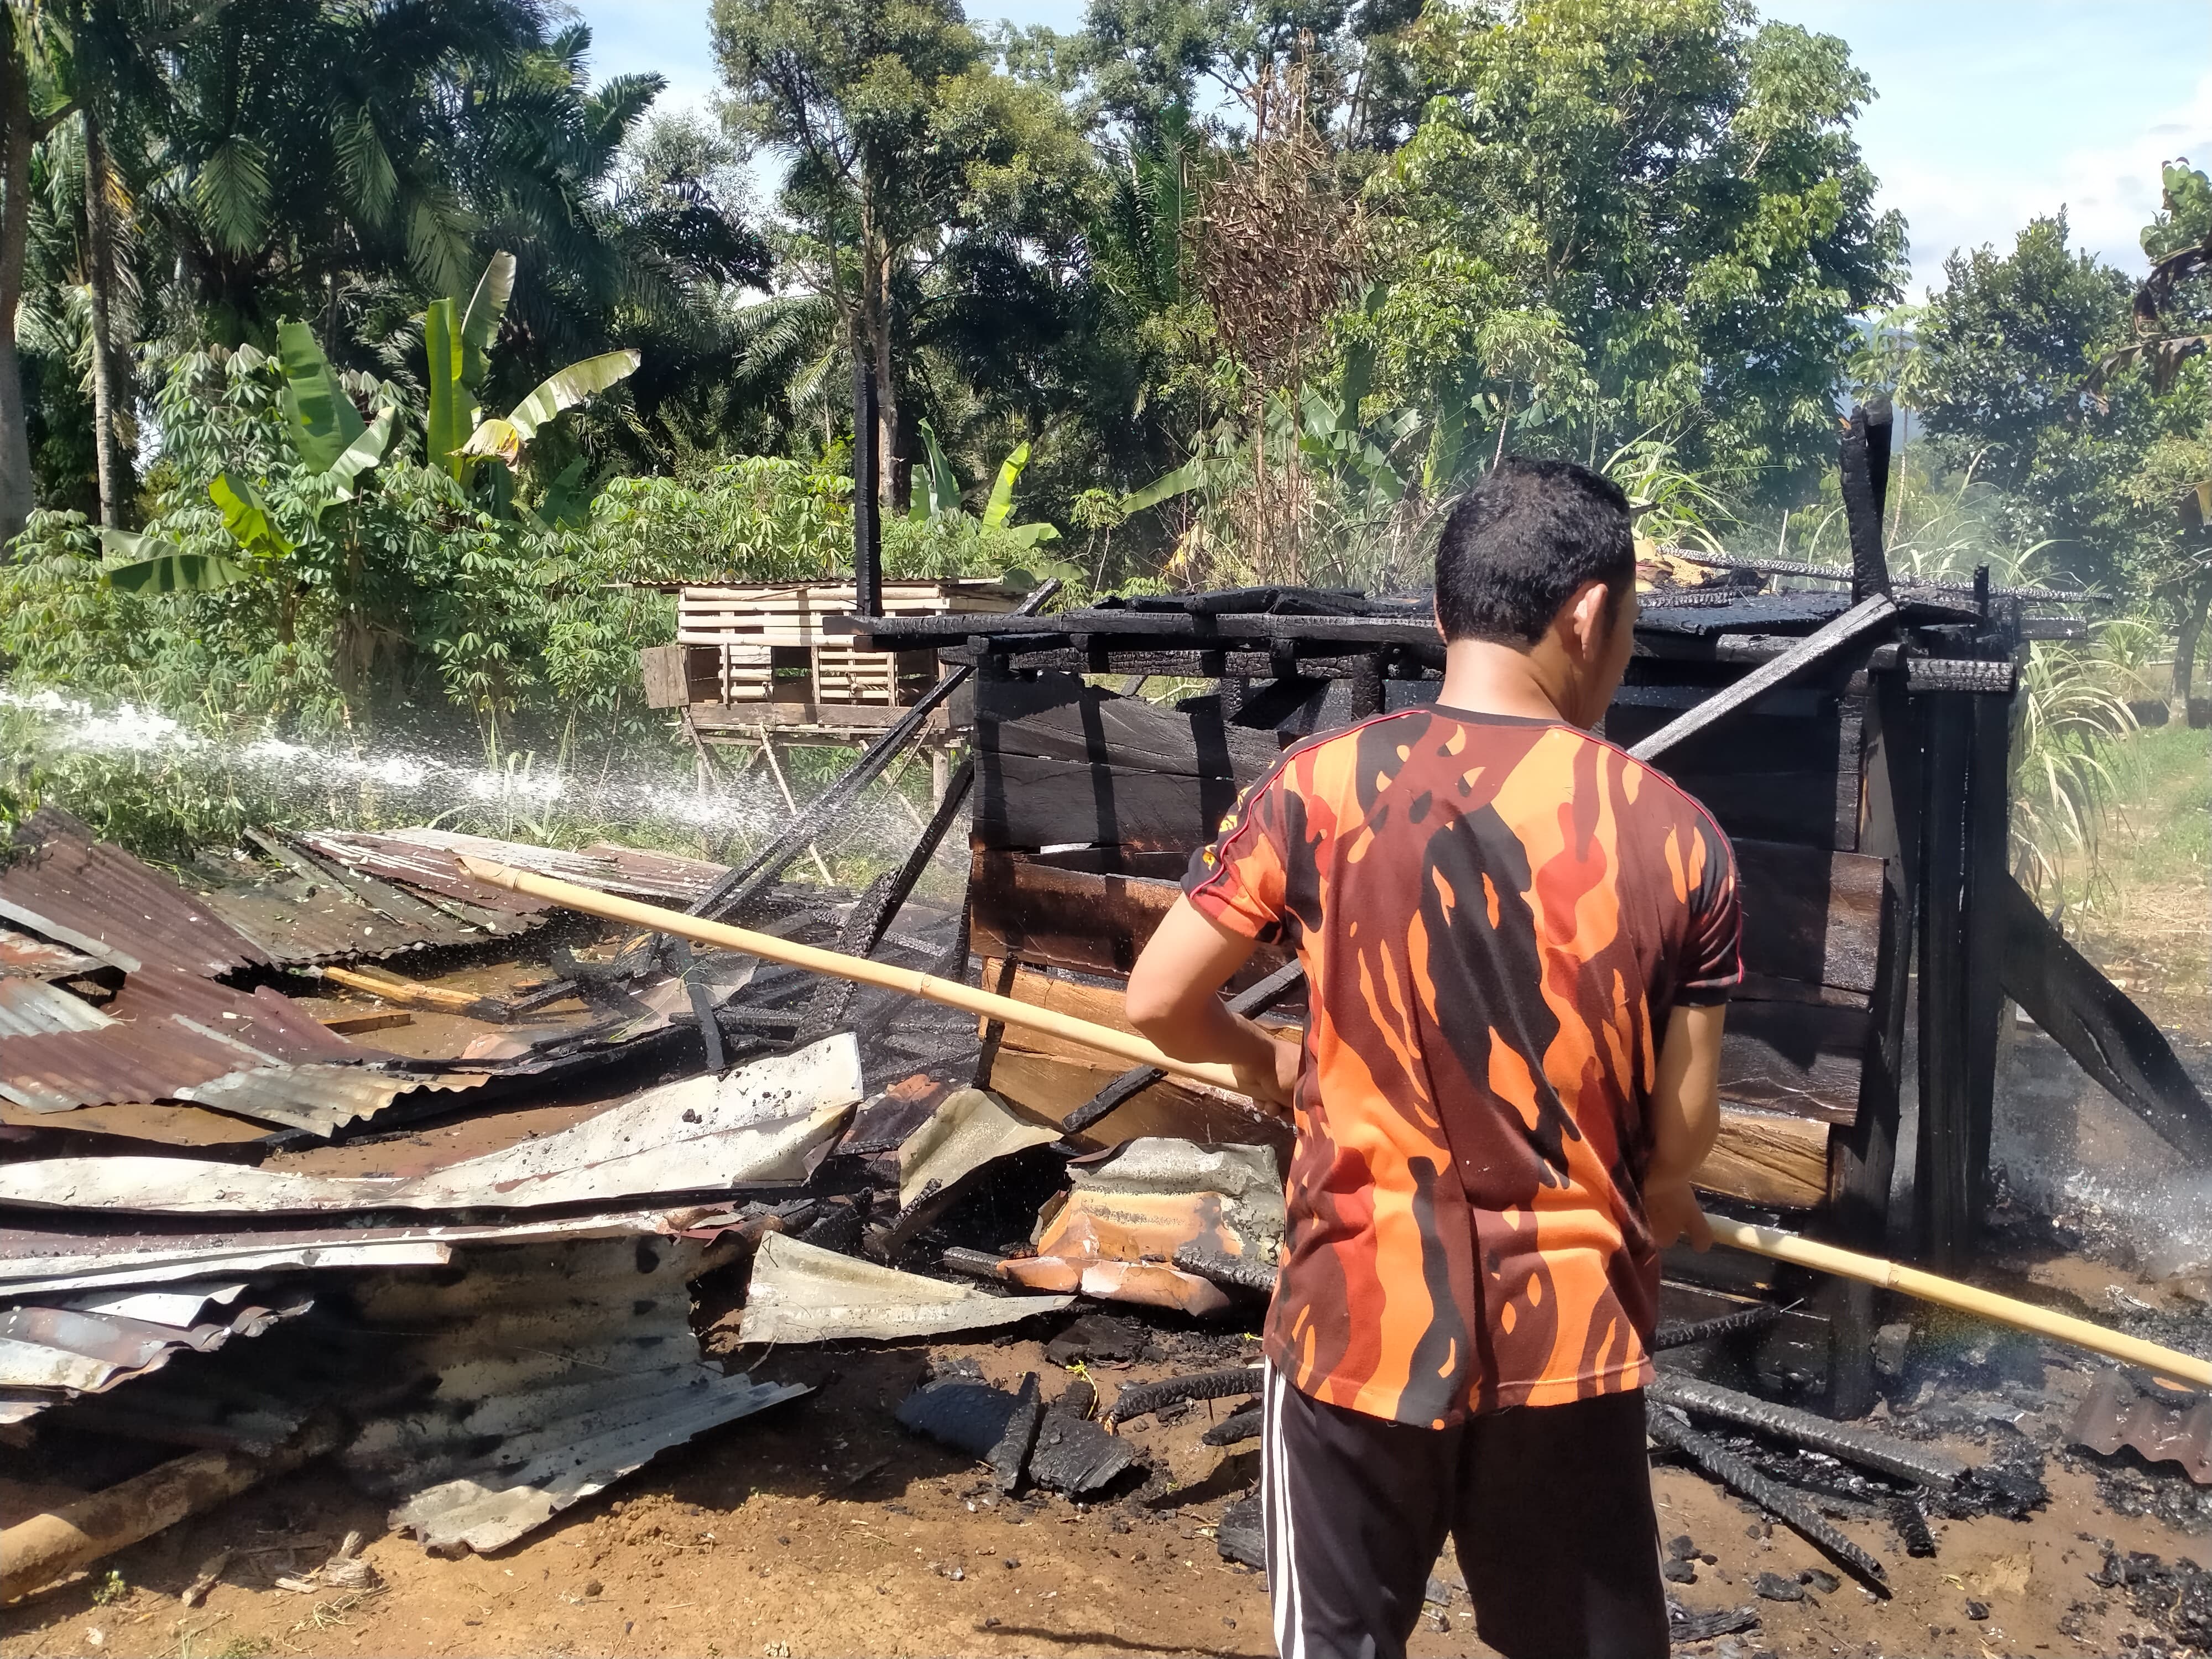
{"x": 2109, "y": 192}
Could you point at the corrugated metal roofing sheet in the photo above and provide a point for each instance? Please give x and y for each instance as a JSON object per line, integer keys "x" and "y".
{"x": 170, "y": 1030}
{"x": 99, "y": 898}
{"x": 30, "y": 1006}
{"x": 432, "y": 869}
{"x": 48, "y": 1354}
{"x": 299, "y": 924}
{"x": 762, "y": 1125}
{"x": 602, "y": 867}
{"x": 27, "y": 956}
{"x": 39, "y": 1261}
{"x": 321, "y": 1099}
{"x": 556, "y": 1371}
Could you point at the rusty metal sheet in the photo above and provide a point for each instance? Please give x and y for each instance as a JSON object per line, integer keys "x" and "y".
{"x": 321, "y": 1099}
{"x": 50, "y": 1354}
{"x": 169, "y": 1030}
{"x": 971, "y": 1129}
{"x": 803, "y": 1293}
{"x": 28, "y": 1007}
{"x": 38, "y": 1261}
{"x": 603, "y": 866}
{"x": 300, "y": 924}
{"x": 431, "y": 869}
{"x": 1127, "y": 1212}
{"x": 2167, "y": 1426}
{"x": 26, "y": 955}
{"x": 758, "y": 1126}
{"x": 556, "y": 1372}
{"x": 97, "y": 898}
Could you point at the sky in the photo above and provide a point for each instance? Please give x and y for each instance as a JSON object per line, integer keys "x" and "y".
{"x": 1987, "y": 112}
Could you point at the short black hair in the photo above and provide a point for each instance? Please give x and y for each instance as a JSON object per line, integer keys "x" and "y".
{"x": 1520, "y": 544}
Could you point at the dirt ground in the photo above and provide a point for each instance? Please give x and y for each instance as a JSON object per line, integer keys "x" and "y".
{"x": 823, "y": 1527}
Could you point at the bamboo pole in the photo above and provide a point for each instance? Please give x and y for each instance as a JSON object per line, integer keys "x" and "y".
{"x": 1888, "y": 1275}
{"x": 1130, "y": 1049}
{"x": 1757, "y": 1241}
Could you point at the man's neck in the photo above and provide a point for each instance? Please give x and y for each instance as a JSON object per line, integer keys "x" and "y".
{"x": 1486, "y": 678}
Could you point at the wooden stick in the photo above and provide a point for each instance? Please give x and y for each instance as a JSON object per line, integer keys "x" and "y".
{"x": 408, "y": 992}
{"x": 1966, "y": 1298}
{"x": 1135, "y": 1051}
{"x": 48, "y": 1547}
{"x": 1130, "y": 1049}
{"x": 768, "y": 749}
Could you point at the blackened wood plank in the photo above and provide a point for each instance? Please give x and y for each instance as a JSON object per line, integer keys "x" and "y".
{"x": 1989, "y": 832}
{"x": 1051, "y": 1088}
{"x": 1797, "y": 806}
{"x": 2092, "y": 1019}
{"x": 1093, "y": 923}
{"x": 1030, "y": 803}
{"x": 1810, "y": 916}
{"x": 1862, "y": 618}
{"x": 1943, "y": 1195}
{"x": 1059, "y": 717}
{"x": 1865, "y": 485}
{"x": 1798, "y": 1058}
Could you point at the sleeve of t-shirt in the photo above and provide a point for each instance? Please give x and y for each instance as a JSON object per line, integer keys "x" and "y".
{"x": 1237, "y": 880}
{"x": 1712, "y": 950}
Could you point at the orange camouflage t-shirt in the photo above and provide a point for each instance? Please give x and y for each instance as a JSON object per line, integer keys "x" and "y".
{"x": 1495, "y": 916}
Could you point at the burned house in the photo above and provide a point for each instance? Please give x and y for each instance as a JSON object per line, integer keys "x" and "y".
{"x": 1852, "y": 736}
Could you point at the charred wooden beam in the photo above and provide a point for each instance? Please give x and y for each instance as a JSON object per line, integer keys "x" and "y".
{"x": 1235, "y": 1273}
{"x": 1926, "y": 1466}
{"x": 1943, "y": 1184}
{"x": 1866, "y": 489}
{"x": 2094, "y": 1021}
{"x": 1739, "y": 1477}
{"x": 1814, "y": 648}
{"x": 1257, "y": 999}
{"x": 1240, "y": 1425}
{"x": 1678, "y": 1333}
{"x": 871, "y": 919}
{"x": 1143, "y": 1399}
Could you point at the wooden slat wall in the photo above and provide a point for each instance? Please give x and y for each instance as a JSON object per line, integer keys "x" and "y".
{"x": 1124, "y": 791}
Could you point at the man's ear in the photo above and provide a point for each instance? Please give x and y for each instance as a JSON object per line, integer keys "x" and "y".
{"x": 1589, "y": 617}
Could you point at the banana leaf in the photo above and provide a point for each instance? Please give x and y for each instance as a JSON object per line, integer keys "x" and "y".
{"x": 168, "y": 570}
{"x": 450, "y": 417}
{"x": 568, "y": 387}
{"x": 568, "y": 500}
{"x": 324, "y": 423}
{"x": 1185, "y": 478}
{"x": 942, "y": 482}
{"x": 1000, "y": 506}
{"x": 480, "y": 320}
{"x": 247, "y": 516}
{"x": 363, "y": 452}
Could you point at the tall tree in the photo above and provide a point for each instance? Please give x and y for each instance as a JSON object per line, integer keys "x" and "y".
{"x": 31, "y": 108}
{"x": 908, "y": 146}
{"x": 2010, "y": 340}
{"x": 1621, "y": 218}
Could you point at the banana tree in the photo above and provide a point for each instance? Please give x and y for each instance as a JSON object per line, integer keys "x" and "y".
{"x": 940, "y": 494}
{"x": 334, "y": 444}
{"x": 457, "y": 434}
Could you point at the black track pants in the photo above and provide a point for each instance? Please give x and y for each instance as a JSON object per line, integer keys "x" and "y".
{"x": 1549, "y": 1508}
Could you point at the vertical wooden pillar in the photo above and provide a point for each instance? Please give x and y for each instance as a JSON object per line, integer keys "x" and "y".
{"x": 1367, "y": 688}
{"x": 1988, "y": 868}
{"x": 1944, "y": 1202}
{"x": 867, "y": 491}
{"x": 1862, "y": 1156}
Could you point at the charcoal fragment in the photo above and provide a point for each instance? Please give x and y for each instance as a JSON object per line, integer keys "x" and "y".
{"x": 1820, "y": 1579}
{"x": 1774, "y": 1586}
{"x": 1238, "y": 1536}
{"x": 1681, "y": 1547}
{"x": 1678, "y": 1572}
{"x": 1977, "y": 1611}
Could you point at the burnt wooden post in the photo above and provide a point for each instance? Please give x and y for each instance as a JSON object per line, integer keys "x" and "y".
{"x": 1943, "y": 1209}
{"x": 867, "y": 490}
{"x": 1366, "y": 687}
{"x": 1863, "y": 1158}
{"x": 1989, "y": 869}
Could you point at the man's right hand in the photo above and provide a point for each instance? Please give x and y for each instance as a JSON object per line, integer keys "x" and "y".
{"x": 1671, "y": 1209}
{"x": 1276, "y": 1085}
